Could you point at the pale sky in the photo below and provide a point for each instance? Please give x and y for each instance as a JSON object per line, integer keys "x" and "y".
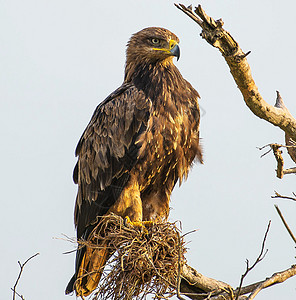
{"x": 60, "y": 59}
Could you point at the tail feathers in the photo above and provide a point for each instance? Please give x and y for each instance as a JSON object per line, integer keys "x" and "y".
{"x": 90, "y": 270}
{"x": 70, "y": 286}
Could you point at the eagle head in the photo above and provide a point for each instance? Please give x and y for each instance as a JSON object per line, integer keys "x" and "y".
{"x": 152, "y": 45}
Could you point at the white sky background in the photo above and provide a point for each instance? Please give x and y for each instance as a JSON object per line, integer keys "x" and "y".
{"x": 59, "y": 59}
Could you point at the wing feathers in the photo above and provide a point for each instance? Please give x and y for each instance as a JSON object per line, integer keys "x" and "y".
{"x": 107, "y": 150}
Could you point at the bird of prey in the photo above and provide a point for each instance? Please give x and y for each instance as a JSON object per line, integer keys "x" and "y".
{"x": 140, "y": 141}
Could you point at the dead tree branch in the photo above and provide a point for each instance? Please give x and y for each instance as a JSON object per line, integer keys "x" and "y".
{"x": 277, "y": 195}
{"x": 274, "y": 279}
{"x": 278, "y": 156}
{"x": 195, "y": 285}
{"x": 280, "y": 161}
{"x": 254, "y": 288}
{"x": 259, "y": 258}
{"x": 214, "y": 33}
{"x": 290, "y": 171}
{"x": 15, "y": 293}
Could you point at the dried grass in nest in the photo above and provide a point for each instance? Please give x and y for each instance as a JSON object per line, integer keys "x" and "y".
{"x": 144, "y": 261}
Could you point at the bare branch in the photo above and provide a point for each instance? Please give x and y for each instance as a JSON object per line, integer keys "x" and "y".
{"x": 197, "y": 286}
{"x": 259, "y": 258}
{"x": 285, "y": 223}
{"x": 188, "y": 11}
{"x": 274, "y": 279}
{"x": 280, "y": 161}
{"x": 290, "y": 171}
{"x": 260, "y": 148}
{"x": 215, "y": 35}
{"x": 244, "y": 290}
{"x": 254, "y": 288}
{"x": 15, "y": 293}
{"x": 277, "y": 195}
{"x": 196, "y": 283}
{"x": 279, "y": 145}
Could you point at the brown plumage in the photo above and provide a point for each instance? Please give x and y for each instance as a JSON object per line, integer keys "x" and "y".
{"x": 140, "y": 141}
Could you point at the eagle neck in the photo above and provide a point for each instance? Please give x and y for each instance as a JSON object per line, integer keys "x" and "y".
{"x": 157, "y": 80}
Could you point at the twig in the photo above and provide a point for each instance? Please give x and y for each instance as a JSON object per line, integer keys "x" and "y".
{"x": 280, "y": 161}
{"x": 274, "y": 279}
{"x": 290, "y": 171}
{"x": 279, "y": 145}
{"x": 188, "y": 11}
{"x": 285, "y": 223}
{"x": 278, "y": 156}
{"x": 259, "y": 258}
{"x": 19, "y": 276}
{"x": 277, "y": 195}
{"x": 155, "y": 269}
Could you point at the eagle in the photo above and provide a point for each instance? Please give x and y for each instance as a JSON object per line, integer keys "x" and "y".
{"x": 141, "y": 140}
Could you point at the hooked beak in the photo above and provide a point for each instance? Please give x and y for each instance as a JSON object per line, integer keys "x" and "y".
{"x": 174, "y": 49}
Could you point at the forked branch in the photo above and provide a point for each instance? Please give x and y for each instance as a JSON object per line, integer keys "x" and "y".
{"x": 259, "y": 258}
{"x": 15, "y": 293}
{"x": 280, "y": 171}
{"x": 277, "y": 195}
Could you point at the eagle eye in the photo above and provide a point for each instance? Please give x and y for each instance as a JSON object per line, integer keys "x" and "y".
{"x": 155, "y": 41}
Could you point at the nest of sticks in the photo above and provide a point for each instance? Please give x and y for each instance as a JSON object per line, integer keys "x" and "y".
{"x": 145, "y": 260}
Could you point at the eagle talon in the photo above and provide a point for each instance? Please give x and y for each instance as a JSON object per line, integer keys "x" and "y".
{"x": 140, "y": 224}
{"x": 148, "y": 223}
